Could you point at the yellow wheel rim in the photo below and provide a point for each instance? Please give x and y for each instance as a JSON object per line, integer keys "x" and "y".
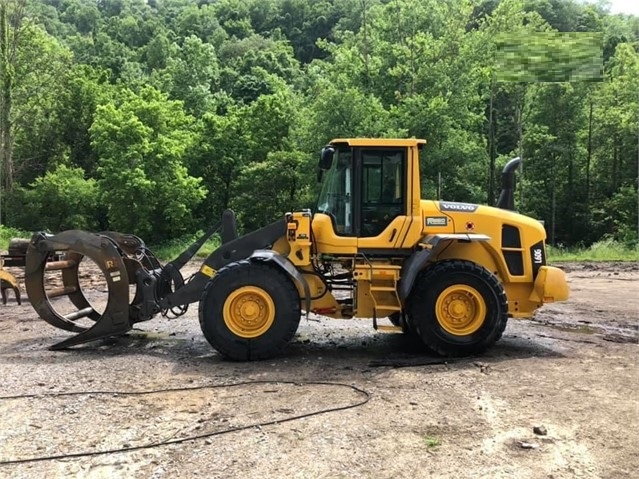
{"x": 249, "y": 312}
{"x": 460, "y": 310}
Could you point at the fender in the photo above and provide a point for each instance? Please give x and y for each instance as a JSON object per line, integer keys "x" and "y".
{"x": 418, "y": 260}
{"x": 285, "y": 264}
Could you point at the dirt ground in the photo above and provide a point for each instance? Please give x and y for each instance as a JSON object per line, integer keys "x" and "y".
{"x": 557, "y": 397}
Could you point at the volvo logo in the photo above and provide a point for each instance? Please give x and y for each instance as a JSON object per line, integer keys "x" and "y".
{"x": 464, "y": 207}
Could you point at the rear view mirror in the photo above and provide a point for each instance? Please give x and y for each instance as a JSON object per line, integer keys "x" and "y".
{"x": 326, "y": 157}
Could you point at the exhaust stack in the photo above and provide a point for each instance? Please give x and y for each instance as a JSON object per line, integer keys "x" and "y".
{"x": 507, "y": 196}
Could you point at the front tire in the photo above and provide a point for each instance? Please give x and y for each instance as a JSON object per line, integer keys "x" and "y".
{"x": 249, "y": 310}
{"x": 458, "y": 308}
{"x": 404, "y": 321}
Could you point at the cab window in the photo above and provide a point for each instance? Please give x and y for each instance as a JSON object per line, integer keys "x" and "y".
{"x": 383, "y": 189}
{"x": 336, "y": 197}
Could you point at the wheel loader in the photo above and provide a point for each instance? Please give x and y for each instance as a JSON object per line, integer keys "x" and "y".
{"x": 448, "y": 273}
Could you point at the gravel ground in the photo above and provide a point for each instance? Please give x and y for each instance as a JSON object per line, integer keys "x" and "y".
{"x": 557, "y": 397}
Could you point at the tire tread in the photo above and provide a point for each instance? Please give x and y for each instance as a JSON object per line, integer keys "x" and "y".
{"x": 424, "y": 283}
{"x": 242, "y": 349}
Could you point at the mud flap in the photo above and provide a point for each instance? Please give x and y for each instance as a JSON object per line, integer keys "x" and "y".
{"x": 76, "y": 244}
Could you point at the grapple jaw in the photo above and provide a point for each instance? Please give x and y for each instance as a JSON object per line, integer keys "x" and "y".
{"x": 119, "y": 258}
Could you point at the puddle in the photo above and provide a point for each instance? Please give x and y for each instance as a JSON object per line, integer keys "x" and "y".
{"x": 577, "y": 328}
{"x": 609, "y": 333}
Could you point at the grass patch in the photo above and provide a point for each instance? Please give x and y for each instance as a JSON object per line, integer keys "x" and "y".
{"x": 7, "y": 234}
{"x": 431, "y": 441}
{"x": 171, "y": 249}
{"x": 604, "y": 250}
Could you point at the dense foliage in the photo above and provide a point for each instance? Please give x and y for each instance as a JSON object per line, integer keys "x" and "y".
{"x": 152, "y": 116}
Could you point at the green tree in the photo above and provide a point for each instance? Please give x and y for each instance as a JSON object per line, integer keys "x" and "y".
{"x": 81, "y": 91}
{"x": 157, "y": 52}
{"x": 554, "y": 160}
{"x": 504, "y": 101}
{"x": 37, "y": 67}
{"x": 615, "y": 144}
{"x": 623, "y": 212}
{"x": 191, "y": 75}
{"x": 268, "y": 122}
{"x": 200, "y": 21}
{"x": 234, "y": 17}
{"x": 266, "y": 78}
{"x": 255, "y": 66}
{"x": 61, "y": 199}
{"x": 141, "y": 143}
{"x": 266, "y": 190}
{"x": 82, "y": 15}
{"x": 218, "y": 153}
{"x": 6, "y": 99}
{"x": 346, "y": 112}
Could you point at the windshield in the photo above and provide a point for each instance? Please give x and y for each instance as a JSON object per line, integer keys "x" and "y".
{"x": 336, "y": 197}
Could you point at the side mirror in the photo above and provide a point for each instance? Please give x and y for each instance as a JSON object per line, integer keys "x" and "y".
{"x": 326, "y": 157}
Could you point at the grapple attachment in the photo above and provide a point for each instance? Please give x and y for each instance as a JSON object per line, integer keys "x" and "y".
{"x": 138, "y": 287}
{"x": 119, "y": 257}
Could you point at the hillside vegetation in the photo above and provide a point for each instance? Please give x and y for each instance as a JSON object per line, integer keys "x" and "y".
{"x": 153, "y": 116}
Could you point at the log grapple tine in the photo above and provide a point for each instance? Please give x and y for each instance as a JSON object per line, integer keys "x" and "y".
{"x": 76, "y": 244}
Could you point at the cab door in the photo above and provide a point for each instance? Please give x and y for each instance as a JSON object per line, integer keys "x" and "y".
{"x": 333, "y": 223}
{"x": 381, "y": 203}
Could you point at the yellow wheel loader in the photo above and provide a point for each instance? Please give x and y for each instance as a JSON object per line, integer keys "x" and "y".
{"x": 449, "y": 273}
{"x": 8, "y": 281}
{"x": 15, "y": 258}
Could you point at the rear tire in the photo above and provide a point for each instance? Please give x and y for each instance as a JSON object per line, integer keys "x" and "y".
{"x": 249, "y": 310}
{"x": 458, "y": 308}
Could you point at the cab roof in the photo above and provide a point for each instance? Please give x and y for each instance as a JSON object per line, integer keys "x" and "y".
{"x": 379, "y": 142}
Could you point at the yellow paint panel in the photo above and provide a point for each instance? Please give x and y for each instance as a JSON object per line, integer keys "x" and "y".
{"x": 207, "y": 271}
{"x": 550, "y": 285}
{"x": 327, "y": 241}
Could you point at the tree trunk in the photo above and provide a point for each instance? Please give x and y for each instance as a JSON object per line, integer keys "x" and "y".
{"x": 490, "y": 197}
{"x": 589, "y": 158}
{"x": 366, "y": 49}
{"x": 615, "y": 164}
{"x": 6, "y": 84}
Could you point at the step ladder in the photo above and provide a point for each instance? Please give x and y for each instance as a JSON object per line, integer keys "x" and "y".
{"x": 384, "y": 292}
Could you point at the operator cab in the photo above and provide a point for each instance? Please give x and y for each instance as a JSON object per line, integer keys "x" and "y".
{"x": 365, "y": 187}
